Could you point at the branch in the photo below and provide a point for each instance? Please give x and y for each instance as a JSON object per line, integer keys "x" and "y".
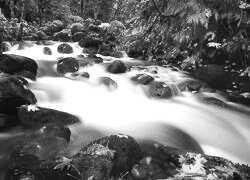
{"x": 156, "y": 7}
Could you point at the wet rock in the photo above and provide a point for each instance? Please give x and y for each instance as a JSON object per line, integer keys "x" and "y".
{"x": 47, "y": 51}
{"x": 56, "y": 26}
{"x": 42, "y": 35}
{"x": 13, "y": 93}
{"x": 190, "y": 85}
{"x": 95, "y": 28}
{"x": 66, "y": 65}
{"x": 6, "y": 46}
{"x": 93, "y": 166}
{"x": 117, "y": 67}
{"x": 12, "y": 64}
{"x": 26, "y": 74}
{"x": 65, "y": 48}
{"x": 85, "y": 75}
{"x": 164, "y": 162}
{"x": 78, "y": 36}
{"x": 62, "y": 36}
{"x": 32, "y": 115}
{"x": 77, "y": 27}
{"x": 117, "y": 54}
{"x": 163, "y": 90}
{"x": 142, "y": 79}
{"x": 90, "y": 42}
{"x": 108, "y": 82}
{"x": 214, "y": 75}
{"x": 90, "y": 60}
{"x": 124, "y": 149}
{"x": 52, "y": 130}
{"x": 7, "y": 121}
{"x": 213, "y": 101}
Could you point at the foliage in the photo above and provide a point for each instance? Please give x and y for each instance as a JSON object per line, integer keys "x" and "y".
{"x": 165, "y": 23}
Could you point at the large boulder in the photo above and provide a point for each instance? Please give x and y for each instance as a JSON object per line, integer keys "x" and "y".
{"x": 123, "y": 150}
{"x": 77, "y": 27}
{"x": 13, "y": 64}
{"x": 32, "y": 115}
{"x": 42, "y": 35}
{"x": 66, "y": 65}
{"x": 63, "y": 36}
{"x": 78, "y": 36}
{"x": 56, "y": 26}
{"x": 65, "y": 48}
{"x": 214, "y": 75}
{"x": 95, "y": 28}
{"x": 117, "y": 67}
{"x": 13, "y": 93}
{"x": 90, "y": 42}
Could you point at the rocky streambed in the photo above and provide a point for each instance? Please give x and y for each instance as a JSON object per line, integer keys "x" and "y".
{"x": 40, "y": 124}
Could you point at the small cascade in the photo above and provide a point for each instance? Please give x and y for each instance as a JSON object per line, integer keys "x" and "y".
{"x": 130, "y": 109}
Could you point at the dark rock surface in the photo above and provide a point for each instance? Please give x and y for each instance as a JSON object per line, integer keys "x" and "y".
{"x": 142, "y": 79}
{"x": 62, "y": 36}
{"x": 162, "y": 90}
{"x": 32, "y": 115}
{"x": 108, "y": 82}
{"x": 78, "y": 36}
{"x": 90, "y": 42}
{"x": 13, "y": 93}
{"x": 47, "y": 51}
{"x": 214, "y": 75}
{"x": 117, "y": 67}
{"x": 13, "y": 64}
{"x": 66, "y": 65}
{"x": 65, "y": 48}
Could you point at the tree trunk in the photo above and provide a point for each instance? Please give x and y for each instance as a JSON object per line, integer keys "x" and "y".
{"x": 39, "y": 12}
{"x": 20, "y": 31}
{"x": 81, "y": 8}
{"x": 12, "y": 8}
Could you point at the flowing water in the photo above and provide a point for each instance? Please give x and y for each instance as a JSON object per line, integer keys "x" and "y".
{"x": 180, "y": 121}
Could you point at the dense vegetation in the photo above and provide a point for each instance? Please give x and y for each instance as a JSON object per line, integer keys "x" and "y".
{"x": 198, "y": 31}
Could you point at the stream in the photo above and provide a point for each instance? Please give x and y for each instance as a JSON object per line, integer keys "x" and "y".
{"x": 183, "y": 121}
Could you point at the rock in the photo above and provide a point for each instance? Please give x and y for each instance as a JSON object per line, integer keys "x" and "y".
{"x": 78, "y": 36}
{"x": 117, "y": 67}
{"x": 65, "y": 48}
{"x": 213, "y": 101}
{"x": 93, "y": 166}
{"x": 163, "y": 90}
{"x": 77, "y": 27}
{"x": 7, "y": 121}
{"x": 124, "y": 149}
{"x": 63, "y": 36}
{"x": 142, "y": 79}
{"x": 52, "y": 130}
{"x": 66, "y": 65}
{"x": 164, "y": 162}
{"x": 117, "y": 54}
{"x": 42, "y": 35}
{"x": 90, "y": 60}
{"x": 90, "y": 42}
{"x": 26, "y": 74}
{"x": 95, "y": 28}
{"x": 108, "y": 82}
{"x": 90, "y": 50}
{"x": 56, "y": 26}
{"x": 32, "y": 115}
{"x": 6, "y": 46}
{"x": 85, "y": 75}
{"x": 190, "y": 85}
{"x": 214, "y": 75}
{"x": 12, "y": 64}
{"x": 47, "y": 51}
{"x": 13, "y": 93}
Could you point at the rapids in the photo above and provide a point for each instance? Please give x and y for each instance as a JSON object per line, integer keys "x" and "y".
{"x": 180, "y": 121}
